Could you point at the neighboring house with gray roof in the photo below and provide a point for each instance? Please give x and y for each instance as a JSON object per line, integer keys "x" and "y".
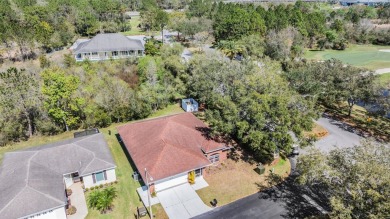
{"x": 107, "y": 46}
{"x": 33, "y": 181}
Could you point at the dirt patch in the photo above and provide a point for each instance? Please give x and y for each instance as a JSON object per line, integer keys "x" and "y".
{"x": 317, "y": 131}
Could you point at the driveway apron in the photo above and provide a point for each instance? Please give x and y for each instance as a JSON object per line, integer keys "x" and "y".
{"x": 182, "y": 202}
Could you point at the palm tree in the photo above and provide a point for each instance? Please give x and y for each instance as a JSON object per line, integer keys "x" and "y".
{"x": 102, "y": 200}
{"x": 230, "y": 48}
{"x": 93, "y": 199}
{"x": 106, "y": 198}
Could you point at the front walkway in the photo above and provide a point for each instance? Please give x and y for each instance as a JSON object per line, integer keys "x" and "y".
{"x": 77, "y": 199}
{"x": 181, "y": 202}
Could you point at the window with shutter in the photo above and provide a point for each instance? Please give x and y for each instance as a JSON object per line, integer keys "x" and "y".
{"x": 99, "y": 177}
{"x": 105, "y": 175}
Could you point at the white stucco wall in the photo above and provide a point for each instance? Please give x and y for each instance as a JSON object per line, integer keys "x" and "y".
{"x": 88, "y": 180}
{"x": 58, "y": 213}
{"x": 68, "y": 180}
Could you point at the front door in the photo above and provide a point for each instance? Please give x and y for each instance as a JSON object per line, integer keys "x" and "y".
{"x": 198, "y": 172}
{"x": 75, "y": 177}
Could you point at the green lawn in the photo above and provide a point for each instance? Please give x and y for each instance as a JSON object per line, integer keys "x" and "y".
{"x": 134, "y": 22}
{"x": 384, "y": 79}
{"x": 127, "y": 201}
{"x": 367, "y": 56}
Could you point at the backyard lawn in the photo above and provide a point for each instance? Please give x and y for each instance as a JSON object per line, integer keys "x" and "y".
{"x": 367, "y": 56}
{"x": 232, "y": 180}
{"x": 134, "y": 22}
{"x": 127, "y": 201}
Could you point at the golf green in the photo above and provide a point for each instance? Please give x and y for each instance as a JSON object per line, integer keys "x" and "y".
{"x": 368, "y": 56}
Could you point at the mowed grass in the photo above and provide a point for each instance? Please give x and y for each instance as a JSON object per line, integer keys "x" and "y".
{"x": 384, "y": 80}
{"x": 367, "y": 56}
{"x": 233, "y": 180}
{"x": 126, "y": 203}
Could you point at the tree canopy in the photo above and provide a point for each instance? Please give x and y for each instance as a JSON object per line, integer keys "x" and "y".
{"x": 250, "y": 102}
{"x": 332, "y": 82}
{"x": 354, "y": 180}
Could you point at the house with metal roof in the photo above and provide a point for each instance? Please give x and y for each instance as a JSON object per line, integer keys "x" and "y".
{"x": 33, "y": 181}
{"x": 171, "y": 147}
{"x": 107, "y": 46}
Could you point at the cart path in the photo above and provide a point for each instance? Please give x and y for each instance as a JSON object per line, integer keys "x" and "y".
{"x": 382, "y": 71}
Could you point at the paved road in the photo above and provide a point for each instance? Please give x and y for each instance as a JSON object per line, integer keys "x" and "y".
{"x": 340, "y": 135}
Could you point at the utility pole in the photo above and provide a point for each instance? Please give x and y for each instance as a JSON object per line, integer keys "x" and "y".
{"x": 147, "y": 184}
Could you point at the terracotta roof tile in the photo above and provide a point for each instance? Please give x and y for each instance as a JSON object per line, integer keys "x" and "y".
{"x": 169, "y": 145}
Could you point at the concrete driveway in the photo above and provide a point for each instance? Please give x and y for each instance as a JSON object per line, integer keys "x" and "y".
{"x": 181, "y": 202}
{"x": 340, "y": 135}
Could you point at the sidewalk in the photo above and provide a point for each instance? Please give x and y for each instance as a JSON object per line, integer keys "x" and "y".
{"x": 77, "y": 199}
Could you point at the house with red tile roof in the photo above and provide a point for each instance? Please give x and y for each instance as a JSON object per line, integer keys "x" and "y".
{"x": 171, "y": 147}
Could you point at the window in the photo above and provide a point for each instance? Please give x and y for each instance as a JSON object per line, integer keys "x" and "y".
{"x": 124, "y": 53}
{"x": 131, "y": 52}
{"x": 140, "y": 52}
{"x": 94, "y": 53}
{"x": 214, "y": 158}
{"x": 99, "y": 177}
{"x": 115, "y": 53}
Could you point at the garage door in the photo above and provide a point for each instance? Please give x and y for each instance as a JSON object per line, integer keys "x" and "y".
{"x": 177, "y": 180}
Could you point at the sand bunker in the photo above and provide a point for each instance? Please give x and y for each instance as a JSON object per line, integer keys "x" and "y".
{"x": 384, "y": 50}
